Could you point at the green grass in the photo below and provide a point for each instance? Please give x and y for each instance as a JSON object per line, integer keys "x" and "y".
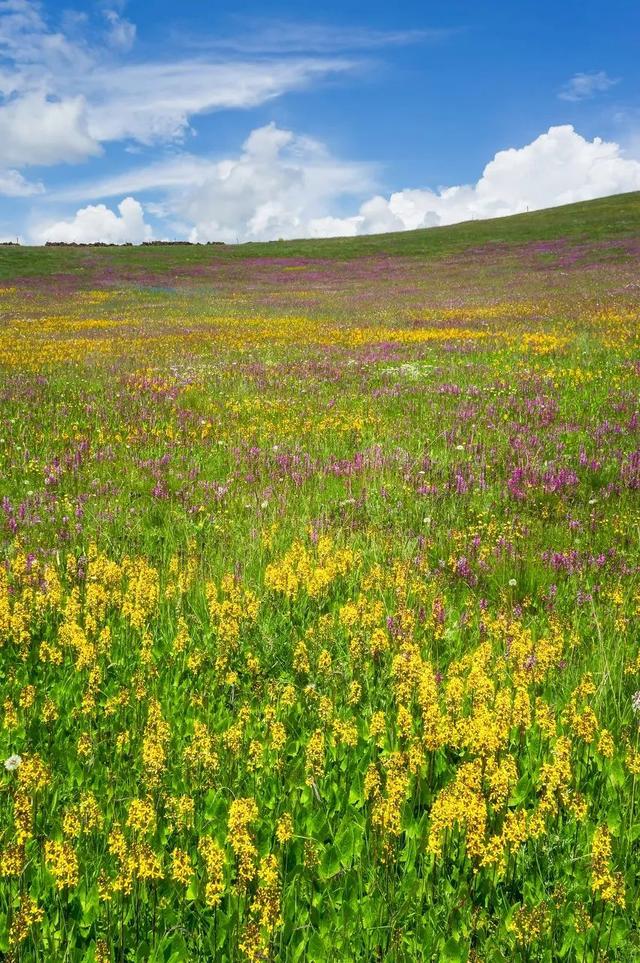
{"x": 587, "y": 221}
{"x": 319, "y": 599}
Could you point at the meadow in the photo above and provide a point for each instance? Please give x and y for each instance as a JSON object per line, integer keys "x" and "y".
{"x": 319, "y": 597}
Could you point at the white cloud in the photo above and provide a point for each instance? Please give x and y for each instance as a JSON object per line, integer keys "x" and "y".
{"x": 559, "y": 167}
{"x": 264, "y": 194}
{"x": 276, "y": 187}
{"x": 121, "y": 33}
{"x": 285, "y": 185}
{"x": 13, "y": 184}
{"x": 33, "y": 52}
{"x": 172, "y": 173}
{"x": 584, "y": 86}
{"x": 37, "y": 130}
{"x": 284, "y": 36}
{"x": 98, "y": 223}
{"x": 149, "y": 101}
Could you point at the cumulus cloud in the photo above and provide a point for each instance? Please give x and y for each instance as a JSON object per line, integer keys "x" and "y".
{"x": 559, "y": 167}
{"x": 98, "y": 223}
{"x": 278, "y": 185}
{"x": 274, "y": 191}
{"x": 584, "y": 86}
{"x": 35, "y": 129}
{"x": 284, "y": 185}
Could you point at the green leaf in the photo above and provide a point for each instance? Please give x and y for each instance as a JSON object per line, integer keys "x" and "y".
{"x": 617, "y": 773}
{"x": 619, "y": 933}
{"x": 330, "y": 863}
{"x": 192, "y": 889}
{"x": 4, "y": 933}
{"x": 315, "y": 949}
{"x": 178, "y": 949}
{"x": 454, "y": 951}
{"x": 614, "y": 820}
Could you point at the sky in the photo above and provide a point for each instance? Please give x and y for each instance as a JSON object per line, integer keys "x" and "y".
{"x": 131, "y": 121}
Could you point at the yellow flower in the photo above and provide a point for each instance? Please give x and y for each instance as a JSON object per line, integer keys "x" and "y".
{"x": 181, "y": 867}
{"x": 284, "y": 829}
{"x": 378, "y": 728}
{"x": 33, "y": 773}
{"x": 146, "y": 863}
{"x": 606, "y": 744}
{"x": 604, "y": 883}
{"x": 242, "y": 813}
{"x": 12, "y": 860}
{"x": 22, "y": 817}
{"x": 386, "y": 811}
{"x": 62, "y": 862}
{"x": 180, "y": 811}
{"x": 214, "y": 861}
{"x": 529, "y": 923}
{"x": 142, "y": 816}
{"x": 200, "y": 753}
{"x": 154, "y": 743}
{"x": 28, "y": 915}
{"x": 84, "y": 817}
{"x": 27, "y": 697}
{"x": 84, "y": 745}
{"x": 315, "y": 761}
{"x": 102, "y": 952}
{"x": 278, "y": 735}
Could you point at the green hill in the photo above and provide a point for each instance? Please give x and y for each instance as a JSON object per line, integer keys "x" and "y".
{"x": 588, "y": 221}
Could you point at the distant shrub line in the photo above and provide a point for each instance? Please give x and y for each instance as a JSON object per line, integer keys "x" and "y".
{"x": 124, "y": 244}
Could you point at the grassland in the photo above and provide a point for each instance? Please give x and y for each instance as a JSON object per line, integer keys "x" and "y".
{"x": 319, "y": 597}
{"x": 604, "y": 219}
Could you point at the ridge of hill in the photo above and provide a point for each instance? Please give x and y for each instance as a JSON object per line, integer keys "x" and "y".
{"x": 607, "y": 218}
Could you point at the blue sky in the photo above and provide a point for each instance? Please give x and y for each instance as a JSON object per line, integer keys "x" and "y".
{"x": 124, "y": 121}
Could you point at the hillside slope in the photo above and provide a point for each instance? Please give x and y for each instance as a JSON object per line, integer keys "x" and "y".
{"x": 598, "y": 220}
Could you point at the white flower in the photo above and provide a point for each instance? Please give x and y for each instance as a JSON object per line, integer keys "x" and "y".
{"x": 459, "y": 447}
{"x": 592, "y": 501}
{"x": 512, "y": 582}
{"x": 13, "y": 762}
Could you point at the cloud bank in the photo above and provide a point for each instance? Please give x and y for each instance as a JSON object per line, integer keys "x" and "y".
{"x": 98, "y": 223}
{"x": 65, "y": 93}
{"x": 283, "y": 185}
{"x": 558, "y": 167}
{"x": 78, "y": 87}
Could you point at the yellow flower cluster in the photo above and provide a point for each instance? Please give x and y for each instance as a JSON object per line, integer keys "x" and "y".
{"x": 62, "y": 862}
{"x": 608, "y": 885}
{"x": 242, "y": 813}
{"x": 214, "y": 860}
{"x": 301, "y": 570}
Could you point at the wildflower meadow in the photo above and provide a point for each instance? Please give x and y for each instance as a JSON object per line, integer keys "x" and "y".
{"x": 319, "y": 598}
